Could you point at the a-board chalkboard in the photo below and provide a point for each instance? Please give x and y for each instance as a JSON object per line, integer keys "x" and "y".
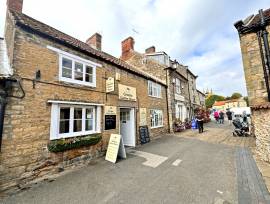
{"x": 144, "y": 134}
{"x": 110, "y": 122}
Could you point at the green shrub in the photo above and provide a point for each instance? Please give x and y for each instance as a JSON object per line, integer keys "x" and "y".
{"x": 72, "y": 143}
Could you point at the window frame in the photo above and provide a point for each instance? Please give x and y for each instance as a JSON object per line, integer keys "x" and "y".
{"x": 178, "y": 86}
{"x": 159, "y": 115}
{"x": 55, "y": 121}
{"x": 154, "y": 89}
{"x": 72, "y": 79}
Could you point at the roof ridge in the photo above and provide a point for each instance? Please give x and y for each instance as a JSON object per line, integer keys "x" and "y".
{"x": 42, "y": 28}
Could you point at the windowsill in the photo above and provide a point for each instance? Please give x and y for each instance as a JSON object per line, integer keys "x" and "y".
{"x": 155, "y": 97}
{"x": 79, "y": 134}
{"x": 157, "y": 127}
{"x": 77, "y": 82}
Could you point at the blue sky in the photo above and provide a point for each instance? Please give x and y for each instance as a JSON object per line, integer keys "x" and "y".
{"x": 199, "y": 34}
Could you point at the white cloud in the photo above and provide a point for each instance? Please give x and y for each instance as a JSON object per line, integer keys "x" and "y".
{"x": 197, "y": 33}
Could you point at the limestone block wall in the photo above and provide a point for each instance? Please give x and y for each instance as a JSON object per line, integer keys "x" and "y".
{"x": 261, "y": 125}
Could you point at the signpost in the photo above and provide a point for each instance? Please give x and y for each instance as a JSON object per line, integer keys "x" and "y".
{"x": 115, "y": 148}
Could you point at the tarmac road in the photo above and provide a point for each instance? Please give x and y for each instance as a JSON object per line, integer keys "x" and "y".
{"x": 168, "y": 170}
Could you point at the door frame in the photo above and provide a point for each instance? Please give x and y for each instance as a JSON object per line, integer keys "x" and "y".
{"x": 133, "y": 123}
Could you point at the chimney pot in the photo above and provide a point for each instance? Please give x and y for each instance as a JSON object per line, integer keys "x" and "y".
{"x": 15, "y": 5}
{"x": 151, "y": 49}
{"x": 127, "y": 48}
{"x": 95, "y": 41}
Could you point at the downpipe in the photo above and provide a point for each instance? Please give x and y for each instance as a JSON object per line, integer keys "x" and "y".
{"x": 264, "y": 35}
{"x": 265, "y": 73}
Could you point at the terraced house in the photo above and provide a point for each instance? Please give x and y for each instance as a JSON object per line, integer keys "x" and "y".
{"x": 56, "y": 89}
{"x": 183, "y": 97}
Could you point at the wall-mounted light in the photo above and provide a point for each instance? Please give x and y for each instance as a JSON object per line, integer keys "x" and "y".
{"x": 37, "y": 78}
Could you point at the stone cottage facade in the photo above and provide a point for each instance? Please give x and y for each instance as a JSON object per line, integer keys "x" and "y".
{"x": 57, "y": 90}
{"x": 254, "y": 44}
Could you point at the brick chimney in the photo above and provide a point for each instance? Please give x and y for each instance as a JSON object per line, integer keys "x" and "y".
{"x": 151, "y": 49}
{"x": 127, "y": 48}
{"x": 15, "y": 5}
{"x": 95, "y": 41}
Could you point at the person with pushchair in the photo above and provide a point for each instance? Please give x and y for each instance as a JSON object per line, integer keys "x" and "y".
{"x": 200, "y": 117}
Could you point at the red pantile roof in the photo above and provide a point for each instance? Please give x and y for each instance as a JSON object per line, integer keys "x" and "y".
{"x": 29, "y": 24}
{"x": 219, "y": 103}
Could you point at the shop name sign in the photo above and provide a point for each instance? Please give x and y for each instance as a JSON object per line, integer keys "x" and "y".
{"x": 110, "y": 110}
{"x": 110, "y": 85}
{"x": 127, "y": 93}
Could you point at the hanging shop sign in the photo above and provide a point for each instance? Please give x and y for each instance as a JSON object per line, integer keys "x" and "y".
{"x": 115, "y": 148}
{"x": 110, "y": 85}
{"x": 127, "y": 93}
{"x": 143, "y": 120}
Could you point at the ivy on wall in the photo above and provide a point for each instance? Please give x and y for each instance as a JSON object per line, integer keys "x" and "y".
{"x": 73, "y": 143}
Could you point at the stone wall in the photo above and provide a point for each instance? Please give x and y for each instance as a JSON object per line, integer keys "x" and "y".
{"x": 24, "y": 155}
{"x": 253, "y": 69}
{"x": 261, "y": 125}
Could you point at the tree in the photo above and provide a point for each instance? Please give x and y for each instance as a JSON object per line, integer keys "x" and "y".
{"x": 236, "y": 95}
{"x": 212, "y": 99}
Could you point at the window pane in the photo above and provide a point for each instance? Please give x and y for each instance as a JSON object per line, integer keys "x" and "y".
{"x": 89, "y": 113}
{"x": 89, "y": 70}
{"x": 66, "y": 72}
{"x": 77, "y": 125}
{"x": 64, "y": 126}
{"x": 88, "y": 78}
{"x": 67, "y": 63}
{"x": 77, "y": 113}
{"x": 78, "y": 71}
{"x": 64, "y": 113}
{"x": 88, "y": 125}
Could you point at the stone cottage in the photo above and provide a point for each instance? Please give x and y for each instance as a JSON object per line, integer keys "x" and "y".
{"x": 254, "y": 42}
{"x": 62, "y": 98}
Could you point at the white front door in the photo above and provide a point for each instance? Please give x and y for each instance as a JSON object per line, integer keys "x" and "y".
{"x": 127, "y": 126}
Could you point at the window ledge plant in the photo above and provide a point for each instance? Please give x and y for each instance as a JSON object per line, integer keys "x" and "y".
{"x": 61, "y": 145}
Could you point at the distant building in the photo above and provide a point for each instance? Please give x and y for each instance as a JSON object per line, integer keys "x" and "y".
{"x": 234, "y": 103}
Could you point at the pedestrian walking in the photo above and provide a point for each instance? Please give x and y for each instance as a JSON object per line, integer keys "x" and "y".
{"x": 199, "y": 118}
{"x": 216, "y": 116}
{"x": 229, "y": 116}
{"x": 221, "y": 117}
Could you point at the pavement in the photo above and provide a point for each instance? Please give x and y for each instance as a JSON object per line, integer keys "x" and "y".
{"x": 181, "y": 168}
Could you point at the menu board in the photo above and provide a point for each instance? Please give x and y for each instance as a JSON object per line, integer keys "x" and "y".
{"x": 110, "y": 122}
{"x": 144, "y": 134}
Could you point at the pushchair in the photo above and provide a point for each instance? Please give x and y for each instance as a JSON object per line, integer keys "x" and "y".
{"x": 241, "y": 128}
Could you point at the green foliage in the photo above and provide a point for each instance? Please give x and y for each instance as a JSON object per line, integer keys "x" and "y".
{"x": 76, "y": 142}
{"x": 236, "y": 96}
{"x": 211, "y": 100}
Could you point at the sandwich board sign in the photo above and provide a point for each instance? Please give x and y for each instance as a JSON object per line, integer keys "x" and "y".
{"x": 115, "y": 148}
